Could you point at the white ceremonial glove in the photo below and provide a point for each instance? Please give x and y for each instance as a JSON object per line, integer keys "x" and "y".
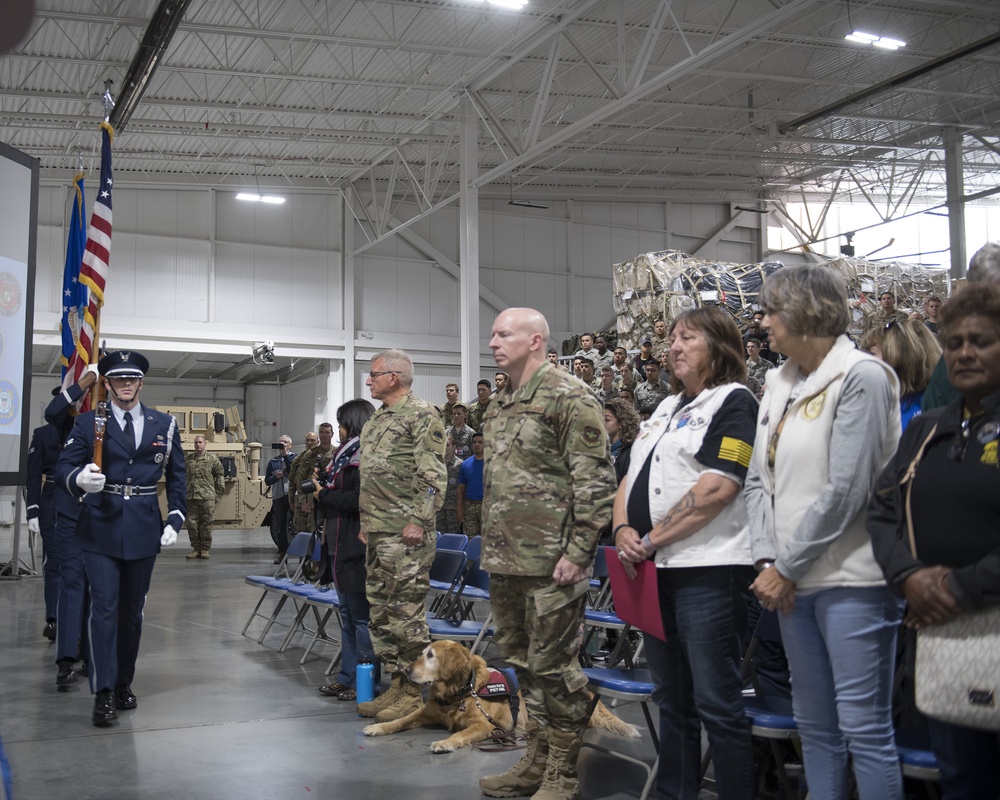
{"x": 90, "y": 479}
{"x": 33, "y": 525}
{"x": 169, "y": 537}
{"x": 92, "y": 368}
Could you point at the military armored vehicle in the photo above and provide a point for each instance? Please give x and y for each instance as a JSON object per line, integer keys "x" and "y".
{"x": 247, "y": 500}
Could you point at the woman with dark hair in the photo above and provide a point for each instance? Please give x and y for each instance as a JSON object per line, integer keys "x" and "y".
{"x": 955, "y": 507}
{"x": 829, "y": 422}
{"x": 681, "y": 503}
{"x": 622, "y": 424}
{"x": 337, "y": 495}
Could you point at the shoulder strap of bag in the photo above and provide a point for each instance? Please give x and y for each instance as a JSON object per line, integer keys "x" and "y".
{"x": 908, "y": 476}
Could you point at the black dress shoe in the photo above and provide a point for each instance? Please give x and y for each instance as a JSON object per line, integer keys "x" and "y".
{"x": 49, "y": 632}
{"x": 66, "y": 675}
{"x": 124, "y": 699}
{"x": 104, "y": 708}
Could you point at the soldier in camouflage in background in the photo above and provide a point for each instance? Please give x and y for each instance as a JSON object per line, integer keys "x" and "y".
{"x": 447, "y": 517}
{"x": 206, "y": 483}
{"x": 548, "y": 490}
{"x": 311, "y": 441}
{"x": 304, "y": 468}
{"x": 403, "y": 481}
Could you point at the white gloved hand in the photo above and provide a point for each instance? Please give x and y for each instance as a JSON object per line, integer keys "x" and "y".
{"x": 92, "y": 368}
{"x": 169, "y": 536}
{"x": 33, "y": 525}
{"x": 90, "y": 479}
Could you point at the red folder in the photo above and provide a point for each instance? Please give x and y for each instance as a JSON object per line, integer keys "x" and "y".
{"x": 637, "y": 601}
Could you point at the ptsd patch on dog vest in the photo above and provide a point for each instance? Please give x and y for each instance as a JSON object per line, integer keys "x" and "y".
{"x": 496, "y": 686}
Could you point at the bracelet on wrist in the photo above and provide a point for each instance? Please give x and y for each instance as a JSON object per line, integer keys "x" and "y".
{"x": 617, "y": 528}
{"x": 648, "y": 543}
{"x": 764, "y": 565}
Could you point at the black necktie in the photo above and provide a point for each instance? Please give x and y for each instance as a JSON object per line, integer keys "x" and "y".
{"x": 130, "y": 432}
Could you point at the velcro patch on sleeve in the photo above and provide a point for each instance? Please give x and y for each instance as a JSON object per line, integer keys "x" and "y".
{"x": 735, "y": 450}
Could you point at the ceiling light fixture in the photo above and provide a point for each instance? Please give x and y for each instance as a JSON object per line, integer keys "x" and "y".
{"x": 521, "y": 203}
{"x": 515, "y": 5}
{"x": 257, "y": 197}
{"x": 878, "y": 41}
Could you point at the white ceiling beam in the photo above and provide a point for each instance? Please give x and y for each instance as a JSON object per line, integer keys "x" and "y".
{"x": 542, "y": 98}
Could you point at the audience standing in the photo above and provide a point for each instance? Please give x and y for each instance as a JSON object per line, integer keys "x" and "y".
{"x": 206, "y": 484}
{"x": 478, "y": 406}
{"x": 681, "y": 504}
{"x": 621, "y": 421}
{"x": 828, "y": 424}
{"x": 548, "y": 490}
{"x": 276, "y": 476}
{"x": 912, "y": 351}
{"x": 651, "y": 392}
{"x": 469, "y": 505}
{"x": 451, "y": 393}
{"x": 403, "y": 482}
{"x": 338, "y": 489}
{"x": 460, "y": 432}
{"x": 947, "y": 465}
{"x": 447, "y": 517}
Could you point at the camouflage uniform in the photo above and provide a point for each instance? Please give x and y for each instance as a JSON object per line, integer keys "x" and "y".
{"x": 659, "y": 345}
{"x": 548, "y": 488}
{"x": 476, "y": 411}
{"x": 403, "y": 480}
{"x": 649, "y": 395}
{"x": 446, "y": 409}
{"x": 447, "y": 522}
{"x": 632, "y": 373}
{"x": 600, "y": 362}
{"x": 206, "y": 484}
{"x": 304, "y": 505}
{"x": 463, "y": 440}
{"x": 879, "y": 319}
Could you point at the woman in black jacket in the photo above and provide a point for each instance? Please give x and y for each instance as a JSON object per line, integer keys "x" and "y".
{"x": 337, "y": 494}
{"x": 955, "y": 505}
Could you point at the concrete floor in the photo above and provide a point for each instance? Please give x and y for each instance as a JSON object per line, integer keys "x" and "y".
{"x": 221, "y": 716}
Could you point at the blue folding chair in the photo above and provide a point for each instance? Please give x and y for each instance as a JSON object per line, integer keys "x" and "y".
{"x": 278, "y": 582}
{"x": 630, "y": 686}
{"x": 282, "y": 587}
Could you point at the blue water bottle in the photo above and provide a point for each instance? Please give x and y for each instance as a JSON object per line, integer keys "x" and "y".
{"x": 364, "y": 682}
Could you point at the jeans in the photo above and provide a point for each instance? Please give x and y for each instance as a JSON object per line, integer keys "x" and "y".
{"x": 696, "y": 681}
{"x": 969, "y": 760}
{"x": 355, "y": 641}
{"x": 841, "y": 647}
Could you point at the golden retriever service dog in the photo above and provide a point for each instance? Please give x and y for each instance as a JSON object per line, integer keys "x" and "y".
{"x": 455, "y": 677}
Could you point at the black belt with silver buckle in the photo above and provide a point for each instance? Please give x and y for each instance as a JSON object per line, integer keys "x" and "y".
{"x": 128, "y": 490}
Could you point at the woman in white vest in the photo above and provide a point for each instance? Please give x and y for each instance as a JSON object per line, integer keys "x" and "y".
{"x": 828, "y": 424}
{"x": 681, "y": 503}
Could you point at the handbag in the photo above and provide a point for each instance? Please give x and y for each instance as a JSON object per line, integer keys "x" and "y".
{"x": 313, "y": 570}
{"x": 957, "y": 671}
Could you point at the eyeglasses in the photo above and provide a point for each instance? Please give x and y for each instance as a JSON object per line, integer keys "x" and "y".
{"x": 374, "y": 375}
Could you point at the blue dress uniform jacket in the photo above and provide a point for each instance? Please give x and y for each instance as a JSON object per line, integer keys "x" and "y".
{"x": 43, "y": 454}
{"x": 116, "y": 525}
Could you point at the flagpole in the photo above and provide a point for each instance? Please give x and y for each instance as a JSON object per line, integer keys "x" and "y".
{"x": 109, "y": 105}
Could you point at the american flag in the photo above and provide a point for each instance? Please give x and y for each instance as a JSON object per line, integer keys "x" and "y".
{"x": 94, "y": 269}
{"x": 74, "y": 299}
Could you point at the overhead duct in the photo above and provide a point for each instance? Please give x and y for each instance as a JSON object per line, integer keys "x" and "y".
{"x": 155, "y": 41}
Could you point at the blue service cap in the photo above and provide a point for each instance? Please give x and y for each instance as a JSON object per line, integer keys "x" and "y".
{"x": 123, "y": 364}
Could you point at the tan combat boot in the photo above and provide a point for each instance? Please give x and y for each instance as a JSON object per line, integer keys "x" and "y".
{"x": 525, "y": 777}
{"x": 370, "y": 708}
{"x": 560, "y": 781}
{"x": 407, "y": 700}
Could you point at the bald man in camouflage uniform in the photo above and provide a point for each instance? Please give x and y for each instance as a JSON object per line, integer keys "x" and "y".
{"x": 548, "y": 490}
{"x": 206, "y": 483}
{"x": 403, "y": 482}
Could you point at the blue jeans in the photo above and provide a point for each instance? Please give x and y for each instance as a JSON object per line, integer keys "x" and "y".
{"x": 696, "y": 681}
{"x": 841, "y": 647}
{"x": 355, "y": 641}
{"x": 969, "y": 760}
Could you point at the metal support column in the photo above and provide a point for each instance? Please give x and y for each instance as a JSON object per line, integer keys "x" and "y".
{"x": 469, "y": 249}
{"x": 956, "y": 204}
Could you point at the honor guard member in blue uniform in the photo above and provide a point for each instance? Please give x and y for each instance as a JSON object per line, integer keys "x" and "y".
{"x": 120, "y": 530}
{"x": 71, "y": 641}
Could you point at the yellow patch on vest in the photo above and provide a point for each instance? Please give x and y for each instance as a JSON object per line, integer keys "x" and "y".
{"x": 812, "y": 409}
{"x": 989, "y": 456}
{"x": 737, "y": 450}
